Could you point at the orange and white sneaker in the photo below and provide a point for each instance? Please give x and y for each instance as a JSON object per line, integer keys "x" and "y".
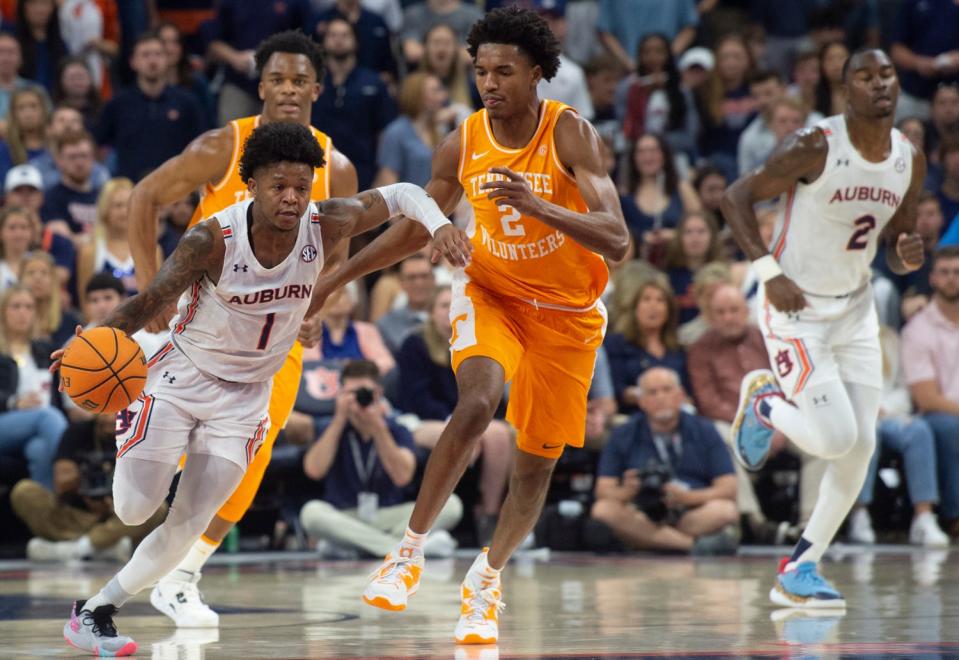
{"x": 397, "y": 578}
{"x": 482, "y": 603}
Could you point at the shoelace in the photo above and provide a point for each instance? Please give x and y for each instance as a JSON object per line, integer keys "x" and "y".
{"x": 808, "y": 574}
{"x": 481, "y": 602}
{"x": 393, "y": 570}
{"x": 100, "y": 621}
{"x": 191, "y": 592}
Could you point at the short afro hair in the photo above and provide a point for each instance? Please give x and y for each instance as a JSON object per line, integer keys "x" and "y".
{"x": 865, "y": 50}
{"x": 291, "y": 41}
{"x": 518, "y": 27}
{"x": 279, "y": 142}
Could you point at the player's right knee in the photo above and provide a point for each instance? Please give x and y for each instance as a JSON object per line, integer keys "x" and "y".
{"x": 839, "y": 436}
{"x": 475, "y": 412}
{"x": 134, "y": 509}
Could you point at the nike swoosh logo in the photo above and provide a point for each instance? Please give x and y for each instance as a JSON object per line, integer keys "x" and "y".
{"x": 548, "y": 446}
{"x": 476, "y": 155}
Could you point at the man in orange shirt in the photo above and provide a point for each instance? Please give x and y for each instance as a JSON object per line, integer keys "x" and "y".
{"x": 526, "y": 309}
{"x": 290, "y": 66}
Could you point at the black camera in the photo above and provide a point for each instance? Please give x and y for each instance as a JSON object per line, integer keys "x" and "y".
{"x": 96, "y": 476}
{"x": 364, "y": 396}
{"x": 649, "y": 499}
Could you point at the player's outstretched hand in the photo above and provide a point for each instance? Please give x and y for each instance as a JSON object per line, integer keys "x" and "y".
{"x": 57, "y": 356}
{"x": 161, "y": 322}
{"x": 784, "y": 294}
{"x": 910, "y": 250}
{"x": 514, "y": 192}
{"x": 453, "y": 244}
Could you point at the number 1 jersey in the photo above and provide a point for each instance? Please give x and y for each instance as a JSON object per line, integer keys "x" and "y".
{"x": 828, "y": 230}
{"x": 516, "y": 255}
{"x": 241, "y": 328}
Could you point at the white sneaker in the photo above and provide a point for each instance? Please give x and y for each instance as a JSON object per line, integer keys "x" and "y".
{"x": 481, "y": 605}
{"x": 39, "y": 549}
{"x": 182, "y": 601}
{"x": 439, "y": 545}
{"x": 860, "y": 528}
{"x": 925, "y": 531}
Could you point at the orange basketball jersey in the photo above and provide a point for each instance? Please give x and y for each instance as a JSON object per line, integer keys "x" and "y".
{"x": 515, "y": 255}
{"x": 231, "y": 188}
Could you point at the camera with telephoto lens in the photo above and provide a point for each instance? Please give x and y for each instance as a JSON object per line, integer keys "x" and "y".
{"x": 96, "y": 476}
{"x": 649, "y": 499}
{"x": 364, "y": 396}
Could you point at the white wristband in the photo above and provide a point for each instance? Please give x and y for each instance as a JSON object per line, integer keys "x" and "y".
{"x": 767, "y": 268}
{"x": 415, "y": 203}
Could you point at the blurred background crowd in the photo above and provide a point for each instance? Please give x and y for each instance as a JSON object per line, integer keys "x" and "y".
{"x": 95, "y": 94}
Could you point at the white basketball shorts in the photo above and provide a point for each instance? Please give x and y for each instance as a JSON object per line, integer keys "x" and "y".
{"x": 183, "y": 410}
{"x": 833, "y": 338}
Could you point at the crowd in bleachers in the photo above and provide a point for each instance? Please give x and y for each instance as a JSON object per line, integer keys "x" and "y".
{"x": 686, "y": 95}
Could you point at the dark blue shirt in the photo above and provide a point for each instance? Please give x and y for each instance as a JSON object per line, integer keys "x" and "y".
{"x": 77, "y": 208}
{"x": 428, "y": 390}
{"x": 6, "y": 159}
{"x": 244, "y": 24}
{"x": 701, "y": 458}
{"x": 681, "y": 280}
{"x": 145, "y": 131}
{"x": 640, "y": 222}
{"x": 353, "y": 114}
{"x": 928, "y": 28}
{"x": 739, "y": 109}
{"x": 627, "y": 363}
{"x": 372, "y": 39}
{"x": 347, "y": 349}
{"x": 345, "y": 480}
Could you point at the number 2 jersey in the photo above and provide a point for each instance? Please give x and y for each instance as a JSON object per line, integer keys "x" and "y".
{"x": 515, "y": 255}
{"x": 241, "y": 328}
{"x": 828, "y": 230}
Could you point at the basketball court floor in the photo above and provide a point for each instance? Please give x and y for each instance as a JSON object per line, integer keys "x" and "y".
{"x": 903, "y": 603}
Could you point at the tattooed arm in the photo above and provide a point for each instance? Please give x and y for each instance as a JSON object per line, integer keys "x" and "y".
{"x": 200, "y": 252}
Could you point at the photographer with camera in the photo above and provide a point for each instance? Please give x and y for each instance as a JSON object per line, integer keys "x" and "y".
{"x": 367, "y": 462}
{"x": 666, "y": 481}
{"x": 76, "y": 520}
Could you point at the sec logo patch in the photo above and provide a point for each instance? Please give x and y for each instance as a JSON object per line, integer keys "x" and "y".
{"x": 308, "y": 253}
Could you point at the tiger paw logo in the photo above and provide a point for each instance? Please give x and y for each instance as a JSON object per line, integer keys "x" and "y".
{"x": 784, "y": 363}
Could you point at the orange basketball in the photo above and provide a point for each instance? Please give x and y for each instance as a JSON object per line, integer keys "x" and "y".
{"x": 103, "y": 370}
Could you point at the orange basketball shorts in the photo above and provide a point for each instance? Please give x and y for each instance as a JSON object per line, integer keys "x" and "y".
{"x": 286, "y": 383}
{"x": 548, "y": 354}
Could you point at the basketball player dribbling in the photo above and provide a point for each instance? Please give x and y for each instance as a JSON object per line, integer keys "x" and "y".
{"x": 847, "y": 181}
{"x": 525, "y": 310}
{"x": 246, "y": 276}
{"x": 291, "y": 70}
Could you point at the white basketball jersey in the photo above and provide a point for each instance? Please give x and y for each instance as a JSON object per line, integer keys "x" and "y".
{"x": 242, "y": 328}
{"x": 828, "y": 230}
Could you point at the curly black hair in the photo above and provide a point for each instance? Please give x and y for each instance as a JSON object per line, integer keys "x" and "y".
{"x": 518, "y": 27}
{"x": 291, "y": 41}
{"x": 279, "y": 142}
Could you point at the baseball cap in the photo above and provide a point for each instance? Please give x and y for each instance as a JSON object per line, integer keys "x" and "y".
{"x": 23, "y": 175}
{"x": 554, "y": 7}
{"x": 701, "y": 57}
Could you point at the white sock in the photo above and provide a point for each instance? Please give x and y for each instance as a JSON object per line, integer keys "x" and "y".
{"x": 75, "y": 549}
{"x": 198, "y": 555}
{"x": 482, "y": 571}
{"x": 414, "y": 541}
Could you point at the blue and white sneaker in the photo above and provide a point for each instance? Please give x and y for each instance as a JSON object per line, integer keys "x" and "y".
{"x": 795, "y": 626}
{"x": 752, "y": 431}
{"x": 804, "y": 587}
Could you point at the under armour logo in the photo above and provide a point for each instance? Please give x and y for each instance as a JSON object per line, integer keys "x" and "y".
{"x": 820, "y": 400}
{"x": 180, "y": 598}
{"x": 237, "y": 268}
{"x": 168, "y": 377}
{"x": 784, "y": 363}
{"x": 842, "y": 162}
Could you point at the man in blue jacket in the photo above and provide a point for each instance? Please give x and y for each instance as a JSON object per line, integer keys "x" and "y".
{"x": 694, "y": 508}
